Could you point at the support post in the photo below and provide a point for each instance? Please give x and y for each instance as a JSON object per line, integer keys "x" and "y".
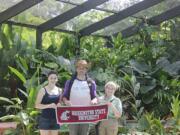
{"x": 78, "y": 45}
{"x": 38, "y": 39}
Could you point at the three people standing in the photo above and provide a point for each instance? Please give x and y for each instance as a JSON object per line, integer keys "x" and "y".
{"x": 80, "y": 90}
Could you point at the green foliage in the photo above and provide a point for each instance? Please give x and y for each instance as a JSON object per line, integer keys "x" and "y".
{"x": 151, "y": 125}
{"x": 146, "y": 66}
{"x": 20, "y": 76}
{"x": 173, "y": 123}
{"x": 143, "y": 57}
{"x": 60, "y": 44}
{"x": 14, "y": 44}
{"x": 176, "y": 107}
{"x": 25, "y": 118}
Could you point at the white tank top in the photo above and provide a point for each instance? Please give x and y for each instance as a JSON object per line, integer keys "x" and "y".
{"x": 80, "y": 93}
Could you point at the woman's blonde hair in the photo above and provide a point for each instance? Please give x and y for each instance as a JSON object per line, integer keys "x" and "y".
{"x": 112, "y": 83}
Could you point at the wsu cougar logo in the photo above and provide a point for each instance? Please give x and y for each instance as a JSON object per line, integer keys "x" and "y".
{"x": 65, "y": 115}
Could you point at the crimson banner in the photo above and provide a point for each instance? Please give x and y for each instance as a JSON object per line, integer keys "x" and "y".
{"x": 88, "y": 114}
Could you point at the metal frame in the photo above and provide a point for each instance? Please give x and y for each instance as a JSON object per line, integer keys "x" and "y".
{"x": 53, "y": 29}
{"x": 21, "y": 24}
{"x": 16, "y": 9}
{"x": 38, "y": 38}
{"x": 81, "y": 8}
{"x": 97, "y": 8}
{"x": 36, "y": 27}
{"x": 86, "y": 6}
{"x": 169, "y": 14}
{"x": 119, "y": 16}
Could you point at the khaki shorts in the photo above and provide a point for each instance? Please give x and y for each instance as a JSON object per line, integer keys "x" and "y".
{"x": 108, "y": 127}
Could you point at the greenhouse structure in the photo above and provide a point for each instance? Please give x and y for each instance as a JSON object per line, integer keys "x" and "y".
{"x": 133, "y": 43}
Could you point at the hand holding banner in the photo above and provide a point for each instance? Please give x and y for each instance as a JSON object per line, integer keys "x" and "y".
{"x": 79, "y": 114}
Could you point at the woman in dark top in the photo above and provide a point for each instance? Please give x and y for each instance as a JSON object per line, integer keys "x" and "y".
{"x": 47, "y": 100}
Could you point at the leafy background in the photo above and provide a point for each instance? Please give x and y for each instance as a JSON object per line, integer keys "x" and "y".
{"x": 146, "y": 66}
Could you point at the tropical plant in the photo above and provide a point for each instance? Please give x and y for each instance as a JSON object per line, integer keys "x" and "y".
{"x": 13, "y": 44}
{"x": 172, "y": 123}
{"x": 25, "y": 117}
{"x": 150, "y": 124}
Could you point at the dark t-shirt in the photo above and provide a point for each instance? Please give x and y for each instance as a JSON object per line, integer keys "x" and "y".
{"x": 48, "y": 99}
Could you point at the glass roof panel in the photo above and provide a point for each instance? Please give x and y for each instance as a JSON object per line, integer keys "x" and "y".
{"x": 5, "y": 4}
{"x": 118, "y": 5}
{"x": 158, "y": 9}
{"x": 42, "y": 12}
{"x": 84, "y": 20}
{"x": 116, "y": 27}
{"x": 148, "y": 13}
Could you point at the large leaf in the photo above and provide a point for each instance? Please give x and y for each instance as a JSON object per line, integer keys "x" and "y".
{"x": 65, "y": 63}
{"x": 103, "y": 76}
{"x": 32, "y": 82}
{"x": 162, "y": 62}
{"x": 32, "y": 97}
{"x": 16, "y": 107}
{"x": 45, "y": 55}
{"x": 136, "y": 89}
{"x": 136, "y": 85}
{"x": 32, "y": 85}
{"x": 24, "y": 118}
{"x": 4, "y": 41}
{"x": 173, "y": 69}
{"x": 10, "y": 117}
{"x": 148, "y": 86}
{"x": 143, "y": 123}
{"x": 17, "y": 100}
{"x": 51, "y": 65}
{"x": 175, "y": 107}
{"x": 18, "y": 74}
{"x": 142, "y": 68}
{"x": 23, "y": 64}
{"x": 8, "y": 32}
{"x": 23, "y": 92}
{"x": 148, "y": 98}
{"x": 6, "y": 100}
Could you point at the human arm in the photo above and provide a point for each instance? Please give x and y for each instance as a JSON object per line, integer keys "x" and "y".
{"x": 116, "y": 107}
{"x": 65, "y": 95}
{"x": 60, "y": 98}
{"x": 39, "y": 98}
{"x": 66, "y": 101}
{"x": 94, "y": 99}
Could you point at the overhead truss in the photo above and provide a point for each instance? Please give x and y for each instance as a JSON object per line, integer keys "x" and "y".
{"x": 119, "y": 16}
{"x": 169, "y": 14}
{"x": 16, "y": 9}
{"x": 84, "y": 7}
